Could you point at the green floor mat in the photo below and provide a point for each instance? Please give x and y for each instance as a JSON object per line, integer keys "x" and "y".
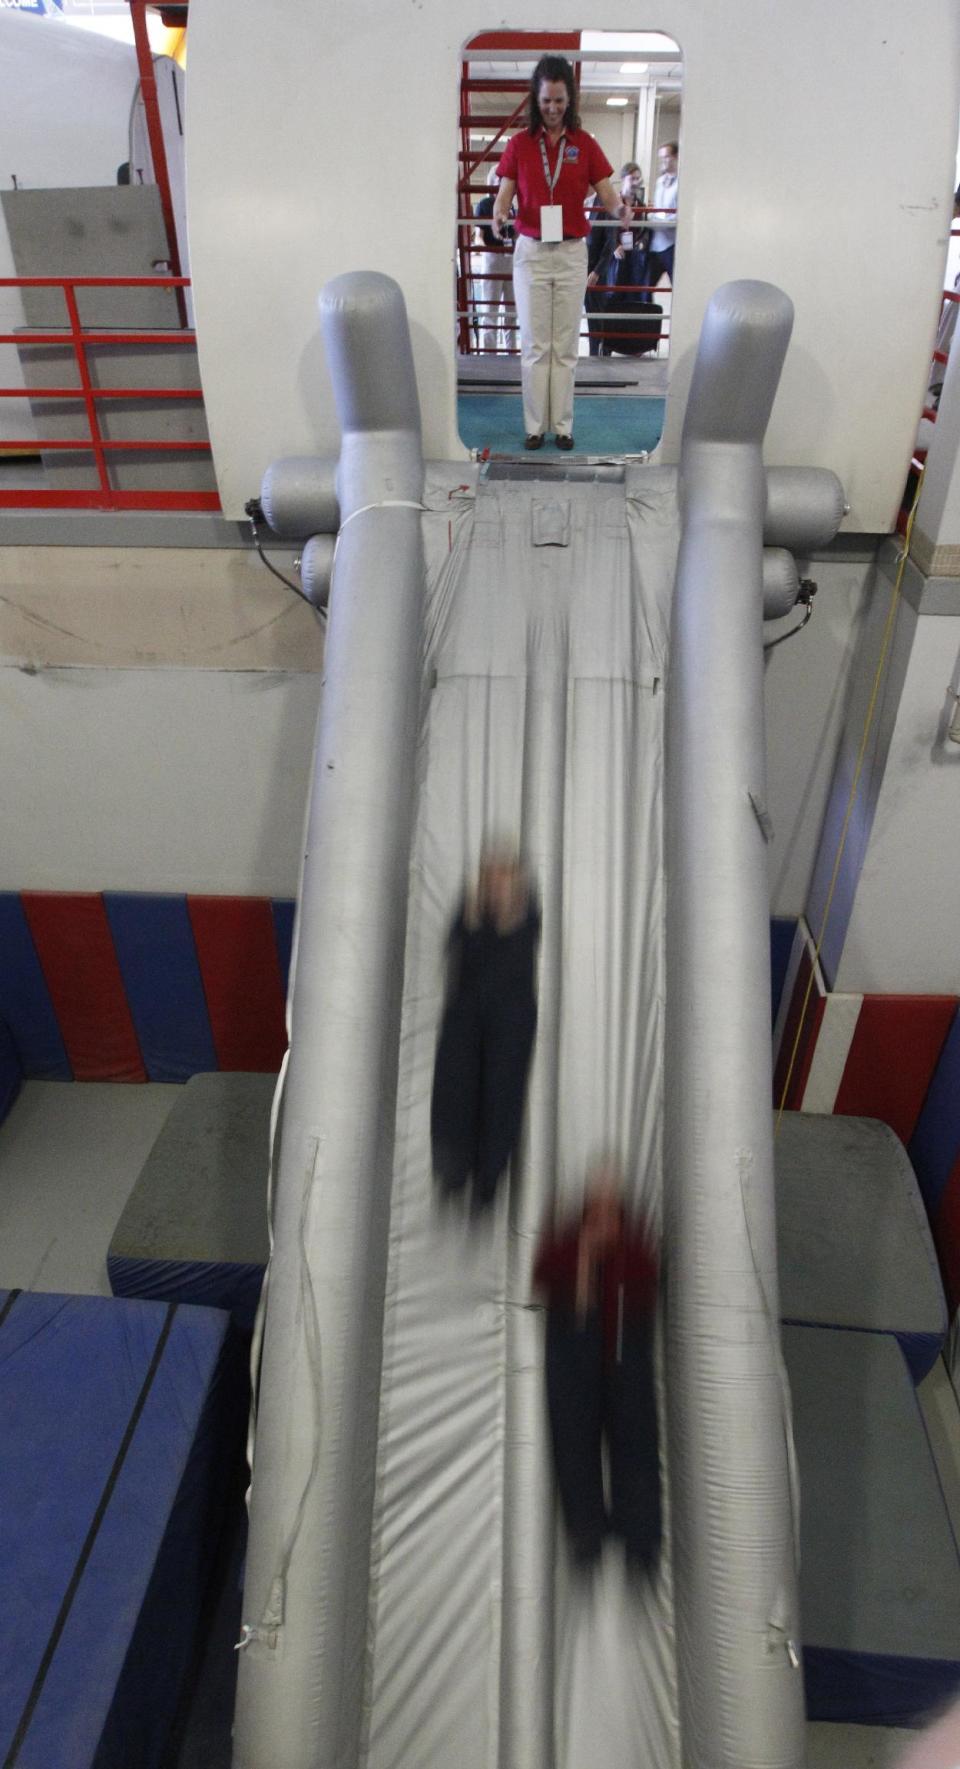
{"x": 602, "y": 425}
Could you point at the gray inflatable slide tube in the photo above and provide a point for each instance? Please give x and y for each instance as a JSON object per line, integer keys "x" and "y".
{"x": 578, "y": 664}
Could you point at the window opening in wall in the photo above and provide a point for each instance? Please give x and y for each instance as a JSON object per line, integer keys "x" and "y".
{"x": 580, "y": 297}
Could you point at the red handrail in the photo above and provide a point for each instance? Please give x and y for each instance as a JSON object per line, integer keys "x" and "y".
{"x": 79, "y": 338}
{"x": 158, "y": 151}
{"x": 101, "y": 393}
{"x": 94, "y": 282}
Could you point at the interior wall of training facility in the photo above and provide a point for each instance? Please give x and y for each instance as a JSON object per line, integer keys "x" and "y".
{"x": 157, "y": 713}
{"x": 892, "y": 919}
{"x": 615, "y": 130}
{"x": 794, "y": 169}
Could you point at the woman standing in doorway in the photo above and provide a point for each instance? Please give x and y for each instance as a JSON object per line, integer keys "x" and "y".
{"x": 551, "y": 167}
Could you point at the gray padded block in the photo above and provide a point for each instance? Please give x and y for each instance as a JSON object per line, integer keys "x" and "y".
{"x": 202, "y": 1192}
{"x": 854, "y": 1243}
{"x": 879, "y": 1571}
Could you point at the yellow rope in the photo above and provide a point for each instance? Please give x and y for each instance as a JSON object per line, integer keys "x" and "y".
{"x": 854, "y": 788}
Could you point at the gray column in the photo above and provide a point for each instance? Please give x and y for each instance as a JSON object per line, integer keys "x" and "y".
{"x": 300, "y": 1698}
{"x": 740, "y": 1691}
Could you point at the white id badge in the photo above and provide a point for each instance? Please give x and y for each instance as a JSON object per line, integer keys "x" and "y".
{"x": 626, "y": 241}
{"x": 551, "y": 222}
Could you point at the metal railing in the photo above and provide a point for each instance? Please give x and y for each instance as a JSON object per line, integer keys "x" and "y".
{"x": 91, "y": 398}
{"x": 472, "y": 310}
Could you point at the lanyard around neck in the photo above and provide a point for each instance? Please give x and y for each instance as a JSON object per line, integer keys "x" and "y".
{"x": 552, "y": 181}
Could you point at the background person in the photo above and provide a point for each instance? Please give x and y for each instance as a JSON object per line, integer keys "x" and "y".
{"x": 663, "y": 239}
{"x": 615, "y": 256}
{"x": 492, "y": 286}
{"x": 551, "y": 166}
{"x": 598, "y": 254}
{"x": 615, "y": 265}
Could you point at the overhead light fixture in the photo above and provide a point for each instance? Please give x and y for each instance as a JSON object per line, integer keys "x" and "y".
{"x": 634, "y": 67}
{"x": 630, "y": 42}
{"x": 618, "y": 101}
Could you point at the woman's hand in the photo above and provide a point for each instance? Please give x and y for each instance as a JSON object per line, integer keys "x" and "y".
{"x": 610, "y": 198}
{"x": 501, "y": 207}
{"x": 592, "y": 280}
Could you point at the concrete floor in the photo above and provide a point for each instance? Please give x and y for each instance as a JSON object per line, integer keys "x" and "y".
{"x": 69, "y": 1156}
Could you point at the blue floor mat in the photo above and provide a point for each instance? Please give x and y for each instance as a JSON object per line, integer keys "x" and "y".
{"x": 602, "y": 425}
{"x": 116, "y": 1420}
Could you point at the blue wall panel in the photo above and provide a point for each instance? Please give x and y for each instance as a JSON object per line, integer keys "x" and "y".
{"x": 25, "y": 1002}
{"x": 283, "y": 914}
{"x": 935, "y": 1144}
{"x": 161, "y": 975}
{"x": 781, "y": 945}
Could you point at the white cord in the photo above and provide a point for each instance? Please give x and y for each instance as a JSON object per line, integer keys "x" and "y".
{"x": 383, "y": 504}
{"x": 364, "y": 510}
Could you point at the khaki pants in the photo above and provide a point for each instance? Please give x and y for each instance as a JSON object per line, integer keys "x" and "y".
{"x": 549, "y": 284}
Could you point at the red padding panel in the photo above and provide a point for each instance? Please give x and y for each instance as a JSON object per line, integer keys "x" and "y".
{"x": 237, "y": 950}
{"x": 892, "y": 1058}
{"x": 74, "y": 945}
{"x": 807, "y": 1043}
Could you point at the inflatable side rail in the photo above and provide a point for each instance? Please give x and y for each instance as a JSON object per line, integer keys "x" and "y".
{"x": 734, "y": 1501}
{"x": 300, "y": 1691}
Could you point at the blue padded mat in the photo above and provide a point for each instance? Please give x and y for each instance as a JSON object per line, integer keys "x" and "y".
{"x": 116, "y": 1420}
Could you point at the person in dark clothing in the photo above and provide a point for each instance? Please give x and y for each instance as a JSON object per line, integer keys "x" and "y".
{"x": 599, "y": 247}
{"x": 598, "y": 1274}
{"x": 615, "y": 257}
{"x": 487, "y": 1031}
{"x": 493, "y": 284}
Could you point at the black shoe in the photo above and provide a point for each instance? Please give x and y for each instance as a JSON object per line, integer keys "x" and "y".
{"x": 533, "y": 442}
{"x": 564, "y": 442}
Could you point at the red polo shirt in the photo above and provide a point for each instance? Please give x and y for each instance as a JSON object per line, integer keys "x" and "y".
{"x": 584, "y": 164}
